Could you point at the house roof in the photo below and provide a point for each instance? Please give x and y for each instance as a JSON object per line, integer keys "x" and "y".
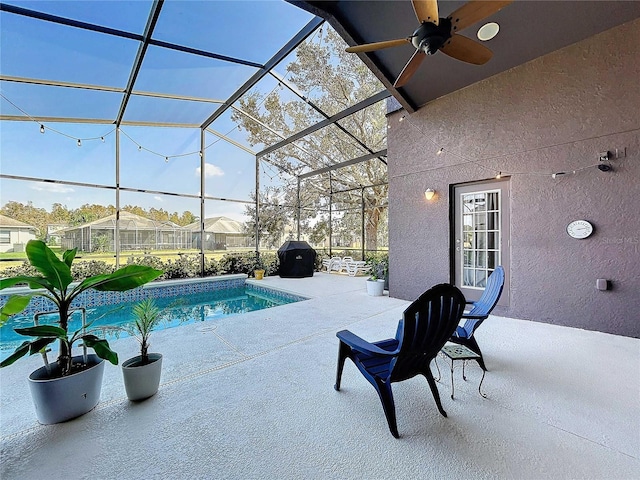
{"x": 218, "y": 225}
{"x": 128, "y": 221}
{"x": 12, "y": 223}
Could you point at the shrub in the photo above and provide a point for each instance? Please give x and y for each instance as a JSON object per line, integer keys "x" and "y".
{"x": 89, "y": 268}
{"x": 239, "y": 263}
{"x": 24, "y": 270}
{"x": 271, "y": 263}
{"x": 211, "y": 267}
{"x": 185, "y": 266}
{"x": 149, "y": 261}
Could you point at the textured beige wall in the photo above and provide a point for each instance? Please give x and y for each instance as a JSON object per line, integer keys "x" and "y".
{"x": 552, "y": 114}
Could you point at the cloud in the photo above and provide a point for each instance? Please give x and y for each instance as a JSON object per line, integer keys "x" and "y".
{"x": 52, "y": 187}
{"x": 158, "y": 198}
{"x": 210, "y": 170}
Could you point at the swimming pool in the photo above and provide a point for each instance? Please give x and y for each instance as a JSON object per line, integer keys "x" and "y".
{"x": 187, "y": 305}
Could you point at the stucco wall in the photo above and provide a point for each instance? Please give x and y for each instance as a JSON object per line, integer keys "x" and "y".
{"x": 553, "y": 114}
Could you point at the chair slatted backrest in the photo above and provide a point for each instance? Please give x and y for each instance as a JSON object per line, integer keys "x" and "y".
{"x": 483, "y": 307}
{"x": 426, "y": 326}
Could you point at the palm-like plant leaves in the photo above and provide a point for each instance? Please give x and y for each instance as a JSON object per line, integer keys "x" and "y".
{"x": 55, "y": 280}
{"x": 101, "y": 347}
{"x": 15, "y": 304}
{"x": 57, "y": 272}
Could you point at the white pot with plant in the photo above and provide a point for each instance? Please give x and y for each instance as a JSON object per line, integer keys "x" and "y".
{"x": 142, "y": 373}
{"x": 70, "y": 386}
{"x": 375, "y": 286}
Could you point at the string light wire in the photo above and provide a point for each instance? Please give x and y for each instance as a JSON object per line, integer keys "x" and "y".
{"x": 501, "y": 173}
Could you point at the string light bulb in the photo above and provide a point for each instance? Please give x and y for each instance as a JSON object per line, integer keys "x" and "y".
{"x": 499, "y": 176}
{"x": 139, "y": 148}
{"x": 439, "y": 152}
{"x": 79, "y": 142}
{"x": 102, "y": 138}
{"x": 402, "y": 118}
{"x": 166, "y": 159}
{"x": 41, "y": 128}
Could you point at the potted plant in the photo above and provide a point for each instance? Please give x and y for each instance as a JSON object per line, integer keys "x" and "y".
{"x": 375, "y": 285}
{"x": 258, "y": 268}
{"x": 70, "y": 386}
{"x": 142, "y": 373}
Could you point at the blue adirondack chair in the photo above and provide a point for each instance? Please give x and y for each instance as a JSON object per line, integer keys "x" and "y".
{"x": 480, "y": 310}
{"x": 425, "y": 327}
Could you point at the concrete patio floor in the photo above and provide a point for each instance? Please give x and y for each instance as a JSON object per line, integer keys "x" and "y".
{"x": 251, "y": 397}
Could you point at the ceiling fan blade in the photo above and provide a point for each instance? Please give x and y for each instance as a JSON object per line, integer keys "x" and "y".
{"x": 426, "y": 10}
{"x": 369, "y": 47}
{"x": 410, "y": 68}
{"x": 474, "y": 11}
{"x": 467, "y": 50}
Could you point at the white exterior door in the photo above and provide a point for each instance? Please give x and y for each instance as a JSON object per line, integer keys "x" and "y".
{"x": 481, "y": 238}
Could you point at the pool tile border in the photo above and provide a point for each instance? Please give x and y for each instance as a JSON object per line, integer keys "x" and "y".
{"x": 162, "y": 289}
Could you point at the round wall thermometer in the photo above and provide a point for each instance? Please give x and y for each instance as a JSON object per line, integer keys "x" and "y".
{"x": 580, "y": 229}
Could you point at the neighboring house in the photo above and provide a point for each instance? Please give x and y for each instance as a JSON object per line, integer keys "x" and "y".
{"x": 136, "y": 233}
{"x": 220, "y": 233}
{"x": 54, "y": 237}
{"x": 14, "y": 234}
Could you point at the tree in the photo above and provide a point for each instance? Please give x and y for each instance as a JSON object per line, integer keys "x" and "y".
{"x": 36, "y": 217}
{"x": 273, "y": 218}
{"x": 90, "y": 212}
{"x": 333, "y": 80}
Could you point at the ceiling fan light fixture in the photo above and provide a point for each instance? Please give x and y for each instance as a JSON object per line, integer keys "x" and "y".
{"x": 488, "y": 31}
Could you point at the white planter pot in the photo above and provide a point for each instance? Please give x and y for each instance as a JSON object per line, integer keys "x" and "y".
{"x": 142, "y": 381}
{"x": 375, "y": 288}
{"x": 61, "y": 399}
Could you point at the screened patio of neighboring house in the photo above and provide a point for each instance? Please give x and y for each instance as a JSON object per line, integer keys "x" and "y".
{"x": 135, "y": 232}
{"x": 220, "y": 233}
{"x": 157, "y": 105}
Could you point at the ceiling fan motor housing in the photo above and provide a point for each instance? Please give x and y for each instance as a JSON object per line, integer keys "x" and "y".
{"x": 430, "y": 37}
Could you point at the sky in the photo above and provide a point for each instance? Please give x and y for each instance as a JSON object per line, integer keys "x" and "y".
{"x": 163, "y": 159}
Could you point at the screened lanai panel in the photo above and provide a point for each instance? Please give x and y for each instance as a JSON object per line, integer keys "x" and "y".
{"x": 44, "y": 50}
{"x": 51, "y": 208}
{"x": 272, "y": 105}
{"x": 141, "y": 109}
{"x": 156, "y": 223}
{"x": 317, "y": 70}
{"x": 75, "y": 204}
{"x": 368, "y": 125}
{"x": 376, "y": 214}
{"x": 161, "y": 159}
{"x": 225, "y": 228}
{"x": 274, "y": 174}
{"x": 170, "y": 71}
{"x": 56, "y": 154}
{"x": 130, "y": 16}
{"x": 332, "y": 145}
{"x": 244, "y": 130}
{"x": 37, "y": 101}
{"x": 229, "y": 170}
{"x": 251, "y": 30}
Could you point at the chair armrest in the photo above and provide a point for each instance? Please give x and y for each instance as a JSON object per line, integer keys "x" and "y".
{"x": 474, "y": 317}
{"x": 361, "y": 345}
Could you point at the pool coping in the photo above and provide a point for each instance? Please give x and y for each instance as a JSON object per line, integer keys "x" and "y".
{"x": 158, "y": 289}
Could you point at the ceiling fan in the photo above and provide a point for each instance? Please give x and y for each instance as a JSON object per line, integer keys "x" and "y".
{"x": 435, "y": 33}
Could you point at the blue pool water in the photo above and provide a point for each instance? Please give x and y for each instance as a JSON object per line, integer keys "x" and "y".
{"x": 177, "y": 311}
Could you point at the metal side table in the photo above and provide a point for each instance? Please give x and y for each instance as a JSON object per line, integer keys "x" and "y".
{"x": 460, "y": 352}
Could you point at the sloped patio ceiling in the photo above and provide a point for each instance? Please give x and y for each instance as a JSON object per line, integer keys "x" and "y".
{"x": 528, "y": 29}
